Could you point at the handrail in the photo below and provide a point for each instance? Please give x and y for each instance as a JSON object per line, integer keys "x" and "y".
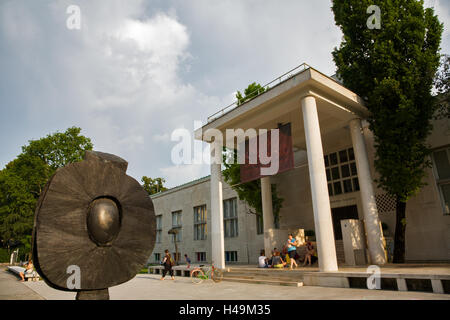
{"x": 267, "y": 86}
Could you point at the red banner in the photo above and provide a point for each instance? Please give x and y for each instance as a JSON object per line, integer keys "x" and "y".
{"x": 281, "y": 160}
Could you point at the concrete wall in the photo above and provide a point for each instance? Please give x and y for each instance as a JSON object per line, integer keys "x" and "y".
{"x": 428, "y": 229}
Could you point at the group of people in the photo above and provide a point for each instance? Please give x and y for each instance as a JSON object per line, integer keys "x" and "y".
{"x": 290, "y": 253}
{"x": 276, "y": 260}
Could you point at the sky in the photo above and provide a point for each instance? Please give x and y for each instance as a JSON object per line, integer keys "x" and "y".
{"x": 136, "y": 70}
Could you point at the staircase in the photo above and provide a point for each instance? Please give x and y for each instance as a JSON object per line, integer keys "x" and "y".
{"x": 340, "y": 255}
{"x": 282, "y": 277}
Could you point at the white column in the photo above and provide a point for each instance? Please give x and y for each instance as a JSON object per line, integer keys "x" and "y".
{"x": 369, "y": 206}
{"x": 217, "y": 236}
{"x": 323, "y": 223}
{"x": 266, "y": 195}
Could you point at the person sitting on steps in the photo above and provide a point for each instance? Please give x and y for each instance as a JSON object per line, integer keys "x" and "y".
{"x": 28, "y": 270}
{"x": 309, "y": 253}
{"x": 262, "y": 260}
{"x": 277, "y": 261}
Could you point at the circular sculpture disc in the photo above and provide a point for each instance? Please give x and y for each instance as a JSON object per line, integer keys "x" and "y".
{"x": 93, "y": 216}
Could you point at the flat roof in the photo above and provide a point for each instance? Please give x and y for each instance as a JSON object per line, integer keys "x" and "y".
{"x": 181, "y": 186}
{"x": 307, "y": 79}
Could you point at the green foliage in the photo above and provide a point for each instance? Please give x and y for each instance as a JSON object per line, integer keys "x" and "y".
{"x": 4, "y": 255}
{"x": 22, "y": 180}
{"x": 153, "y": 186}
{"x": 442, "y": 85}
{"x": 392, "y": 69}
{"x": 250, "y": 92}
{"x": 143, "y": 270}
{"x": 59, "y": 149}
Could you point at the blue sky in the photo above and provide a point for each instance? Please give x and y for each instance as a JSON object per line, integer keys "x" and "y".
{"x": 137, "y": 70}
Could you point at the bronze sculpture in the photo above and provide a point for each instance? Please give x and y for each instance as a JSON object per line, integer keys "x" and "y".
{"x": 93, "y": 218}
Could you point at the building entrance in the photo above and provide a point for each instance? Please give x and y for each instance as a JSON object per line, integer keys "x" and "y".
{"x": 338, "y": 214}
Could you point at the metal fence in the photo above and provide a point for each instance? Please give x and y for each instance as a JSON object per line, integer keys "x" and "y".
{"x": 256, "y": 93}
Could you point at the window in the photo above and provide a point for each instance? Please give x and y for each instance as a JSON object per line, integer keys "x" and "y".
{"x": 176, "y": 224}
{"x": 201, "y": 256}
{"x": 231, "y": 256}
{"x": 441, "y": 164}
{"x": 230, "y": 218}
{"x": 158, "y": 228}
{"x": 341, "y": 172}
{"x": 157, "y": 257}
{"x": 259, "y": 224}
{"x": 200, "y": 225}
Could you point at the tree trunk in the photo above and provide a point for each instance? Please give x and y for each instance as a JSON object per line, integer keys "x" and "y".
{"x": 400, "y": 228}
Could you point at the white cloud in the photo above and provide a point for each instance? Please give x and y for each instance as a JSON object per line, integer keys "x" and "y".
{"x": 117, "y": 77}
{"x": 178, "y": 175}
{"x": 164, "y": 137}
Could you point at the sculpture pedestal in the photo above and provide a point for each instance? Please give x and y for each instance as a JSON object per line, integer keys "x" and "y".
{"x": 93, "y": 295}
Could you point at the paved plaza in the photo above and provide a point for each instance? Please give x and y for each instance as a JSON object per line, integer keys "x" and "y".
{"x": 149, "y": 287}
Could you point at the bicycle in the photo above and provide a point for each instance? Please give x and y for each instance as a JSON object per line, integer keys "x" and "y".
{"x": 198, "y": 275}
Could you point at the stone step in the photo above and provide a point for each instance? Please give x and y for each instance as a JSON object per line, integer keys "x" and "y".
{"x": 264, "y": 277}
{"x": 268, "y": 270}
{"x": 287, "y": 273}
{"x": 340, "y": 253}
{"x": 240, "y": 276}
{"x": 271, "y": 272}
{"x": 264, "y": 281}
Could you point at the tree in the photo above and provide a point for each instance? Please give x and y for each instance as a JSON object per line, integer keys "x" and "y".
{"x": 250, "y": 92}
{"x": 392, "y": 69}
{"x": 153, "y": 186}
{"x": 442, "y": 85}
{"x": 250, "y": 192}
{"x": 22, "y": 180}
{"x": 17, "y": 205}
{"x": 59, "y": 149}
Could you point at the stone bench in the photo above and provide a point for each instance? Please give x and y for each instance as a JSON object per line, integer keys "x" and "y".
{"x": 34, "y": 276}
{"x": 180, "y": 271}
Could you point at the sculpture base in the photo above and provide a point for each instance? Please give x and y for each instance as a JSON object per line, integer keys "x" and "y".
{"x": 102, "y": 294}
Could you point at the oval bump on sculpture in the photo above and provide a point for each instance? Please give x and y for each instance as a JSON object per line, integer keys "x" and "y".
{"x": 103, "y": 221}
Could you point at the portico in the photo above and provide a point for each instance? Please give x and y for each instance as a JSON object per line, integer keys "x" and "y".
{"x": 315, "y": 105}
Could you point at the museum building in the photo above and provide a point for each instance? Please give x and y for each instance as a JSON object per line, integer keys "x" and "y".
{"x": 329, "y": 193}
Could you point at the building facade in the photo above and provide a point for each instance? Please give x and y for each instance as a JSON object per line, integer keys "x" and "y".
{"x": 332, "y": 179}
{"x": 191, "y": 203}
